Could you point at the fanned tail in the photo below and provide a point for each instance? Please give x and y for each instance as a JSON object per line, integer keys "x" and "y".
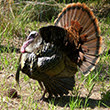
{"x": 82, "y": 19}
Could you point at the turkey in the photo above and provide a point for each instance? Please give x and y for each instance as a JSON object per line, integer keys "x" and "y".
{"x": 53, "y": 55}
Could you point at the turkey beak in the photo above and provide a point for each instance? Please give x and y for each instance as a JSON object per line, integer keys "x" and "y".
{"x": 17, "y": 74}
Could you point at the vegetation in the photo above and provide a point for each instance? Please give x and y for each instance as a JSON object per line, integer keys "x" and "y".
{"x": 17, "y": 19}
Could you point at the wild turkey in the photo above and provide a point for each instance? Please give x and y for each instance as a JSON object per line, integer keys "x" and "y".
{"x": 53, "y": 54}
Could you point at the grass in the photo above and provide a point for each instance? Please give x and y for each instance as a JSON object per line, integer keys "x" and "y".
{"x": 16, "y": 21}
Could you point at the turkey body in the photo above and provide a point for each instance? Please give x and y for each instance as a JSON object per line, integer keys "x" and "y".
{"x": 53, "y": 55}
{"x": 54, "y": 70}
{"x": 50, "y": 64}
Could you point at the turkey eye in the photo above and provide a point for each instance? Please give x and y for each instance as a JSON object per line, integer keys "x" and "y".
{"x": 33, "y": 34}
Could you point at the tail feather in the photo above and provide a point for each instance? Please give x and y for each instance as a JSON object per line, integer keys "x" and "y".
{"x": 60, "y": 89}
{"x": 91, "y": 59}
{"x": 68, "y": 85}
{"x": 53, "y": 89}
{"x": 95, "y": 43}
{"x": 93, "y": 51}
{"x": 59, "y": 85}
{"x": 92, "y": 36}
{"x": 86, "y": 67}
{"x": 83, "y": 16}
{"x": 89, "y": 23}
{"x": 91, "y": 43}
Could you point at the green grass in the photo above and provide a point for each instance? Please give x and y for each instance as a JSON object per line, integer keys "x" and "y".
{"x": 16, "y": 21}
